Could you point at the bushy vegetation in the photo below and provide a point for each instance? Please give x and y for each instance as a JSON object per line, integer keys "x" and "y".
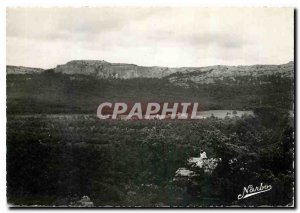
{"x": 56, "y": 160}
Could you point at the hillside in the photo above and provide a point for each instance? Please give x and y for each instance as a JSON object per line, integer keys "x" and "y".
{"x": 79, "y": 86}
{"x": 59, "y": 93}
{"x": 231, "y": 74}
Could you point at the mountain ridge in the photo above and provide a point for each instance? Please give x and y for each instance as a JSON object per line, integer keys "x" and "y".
{"x": 207, "y": 74}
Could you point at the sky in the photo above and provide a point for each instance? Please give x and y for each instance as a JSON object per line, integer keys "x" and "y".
{"x": 149, "y": 36}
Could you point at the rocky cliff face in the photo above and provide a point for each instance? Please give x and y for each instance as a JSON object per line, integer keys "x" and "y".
{"x": 103, "y": 69}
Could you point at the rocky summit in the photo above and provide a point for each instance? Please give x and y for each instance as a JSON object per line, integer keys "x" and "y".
{"x": 103, "y": 69}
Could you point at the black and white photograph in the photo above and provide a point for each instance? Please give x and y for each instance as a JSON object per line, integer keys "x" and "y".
{"x": 150, "y": 107}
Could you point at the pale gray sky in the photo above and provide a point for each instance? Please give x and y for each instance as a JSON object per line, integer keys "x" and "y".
{"x": 157, "y": 36}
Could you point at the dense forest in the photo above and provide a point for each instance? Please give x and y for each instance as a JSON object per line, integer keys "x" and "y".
{"x": 58, "y": 151}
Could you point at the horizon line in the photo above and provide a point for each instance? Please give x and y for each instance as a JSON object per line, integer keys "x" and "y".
{"x": 149, "y": 66}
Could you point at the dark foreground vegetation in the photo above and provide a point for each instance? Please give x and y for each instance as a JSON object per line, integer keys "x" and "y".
{"x": 54, "y": 161}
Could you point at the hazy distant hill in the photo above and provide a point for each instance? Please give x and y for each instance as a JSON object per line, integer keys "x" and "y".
{"x": 22, "y": 70}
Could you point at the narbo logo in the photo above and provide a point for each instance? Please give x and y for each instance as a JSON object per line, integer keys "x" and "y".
{"x": 250, "y": 190}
